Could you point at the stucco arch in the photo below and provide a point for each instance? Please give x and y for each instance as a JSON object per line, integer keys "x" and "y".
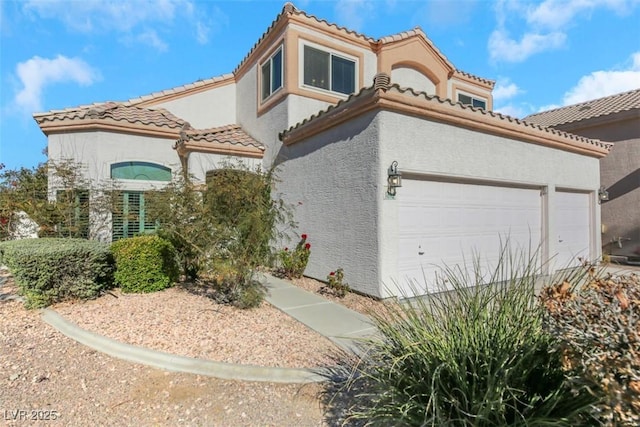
{"x": 414, "y": 75}
{"x": 425, "y": 59}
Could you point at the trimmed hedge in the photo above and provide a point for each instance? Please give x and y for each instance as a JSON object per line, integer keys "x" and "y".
{"x": 144, "y": 264}
{"x": 50, "y": 270}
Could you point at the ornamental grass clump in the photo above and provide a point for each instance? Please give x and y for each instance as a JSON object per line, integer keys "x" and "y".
{"x": 474, "y": 355}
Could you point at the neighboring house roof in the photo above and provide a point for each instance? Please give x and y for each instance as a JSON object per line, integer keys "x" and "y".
{"x": 229, "y": 140}
{"x": 626, "y": 101}
{"x": 383, "y": 95}
{"x": 111, "y": 116}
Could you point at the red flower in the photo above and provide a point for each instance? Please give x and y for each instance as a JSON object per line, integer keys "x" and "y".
{"x": 333, "y": 273}
{"x": 4, "y": 220}
{"x": 307, "y": 246}
{"x": 304, "y": 237}
{"x": 286, "y": 249}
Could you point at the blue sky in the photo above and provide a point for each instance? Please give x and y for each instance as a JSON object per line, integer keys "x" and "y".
{"x": 63, "y": 53}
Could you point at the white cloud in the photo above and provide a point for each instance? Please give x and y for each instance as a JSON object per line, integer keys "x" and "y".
{"x": 555, "y": 14}
{"x": 505, "y": 89}
{"x": 37, "y": 73}
{"x": 599, "y": 84}
{"x": 543, "y": 26}
{"x": 352, "y": 13}
{"x": 502, "y": 47}
{"x": 150, "y": 37}
{"x": 130, "y": 18}
{"x": 511, "y": 110}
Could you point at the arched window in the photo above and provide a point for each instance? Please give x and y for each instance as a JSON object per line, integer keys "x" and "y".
{"x": 140, "y": 170}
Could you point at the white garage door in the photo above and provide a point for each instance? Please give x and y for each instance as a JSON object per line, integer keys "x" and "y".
{"x": 446, "y": 223}
{"x": 573, "y": 226}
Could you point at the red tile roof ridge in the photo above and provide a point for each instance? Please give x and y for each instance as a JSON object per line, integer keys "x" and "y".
{"x": 232, "y": 134}
{"x": 290, "y": 8}
{"x": 395, "y": 87}
{"x": 115, "y": 111}
{"x": 179, "y": 89}
{"x": 474, "y": 77}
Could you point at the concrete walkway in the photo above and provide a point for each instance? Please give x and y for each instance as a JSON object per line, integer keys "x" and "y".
{"x": 339, "y": 324}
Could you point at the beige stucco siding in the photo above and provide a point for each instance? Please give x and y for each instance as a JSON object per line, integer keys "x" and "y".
{"x": 427, "y": 147}
{"x": 410, "y": 77}
{"x": 331, "y": 181}
{"x": 212, "y": 108}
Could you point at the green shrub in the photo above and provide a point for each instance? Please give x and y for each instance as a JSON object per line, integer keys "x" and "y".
{"x": 144, "y": 264}
{"x": 599, "y": 327}
{"x": 235, "y": 285}
{"x": 50, "y": 270}
{"x": 293, "y": 263}
{"x": 478, "y": 356}
{"x": 336, "y": 283}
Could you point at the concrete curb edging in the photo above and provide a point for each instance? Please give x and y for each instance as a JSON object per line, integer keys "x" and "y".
{"x": 175, "y": 363}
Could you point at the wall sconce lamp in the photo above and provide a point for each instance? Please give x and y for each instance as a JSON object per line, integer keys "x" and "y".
{"x": 603, "y": 195}
{"x": 394, "y": 179}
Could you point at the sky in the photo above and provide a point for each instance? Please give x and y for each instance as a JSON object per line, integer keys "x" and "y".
{"x": 57, "y": 54}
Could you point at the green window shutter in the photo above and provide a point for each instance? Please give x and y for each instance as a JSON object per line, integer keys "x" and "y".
{"x": 129, "y": 217}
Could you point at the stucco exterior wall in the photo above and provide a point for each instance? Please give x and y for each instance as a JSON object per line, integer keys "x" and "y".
{"x": 266, "y": 127}
{"x": 331, "y": 181}
{"x": 98, "y": 150}
{"x": 212, "y": 108}
{"x": 409, "y": 77}
{"x": 201, "y": 163}
{"x": 427, "y": 147}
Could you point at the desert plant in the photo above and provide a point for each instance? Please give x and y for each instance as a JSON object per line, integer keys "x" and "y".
{"x": 336, "y": 283}
{"x": 50, "y": 270}
{"x": 144, "y": 264}
{"x": 598, "y": 325}
{"x": 293, "y": 263}
{"x": 478, "y": 356}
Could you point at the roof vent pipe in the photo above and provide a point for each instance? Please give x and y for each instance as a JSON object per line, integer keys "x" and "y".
{"x": 381, "y": 81}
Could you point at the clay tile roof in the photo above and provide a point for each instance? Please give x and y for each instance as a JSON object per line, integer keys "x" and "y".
{"x": 229, "y": 134}
{"x": 290, "y": 9}
{"x": 625, "y": 101}
{"x": 381, "y": 81}
{"x": 178, "y": 89}
{"x": 116, "y": 112}
{"x": 474, "y": 77}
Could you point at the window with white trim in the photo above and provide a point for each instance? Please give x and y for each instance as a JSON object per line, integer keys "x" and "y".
{"x": 272, "y": 74}
{"x": 472, "y": 100}
{"x": 328, "y": 71}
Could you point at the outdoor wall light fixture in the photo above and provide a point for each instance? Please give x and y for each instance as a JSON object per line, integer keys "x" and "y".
{"x": 394, "y": 180}
{"x": 603, "y": 195}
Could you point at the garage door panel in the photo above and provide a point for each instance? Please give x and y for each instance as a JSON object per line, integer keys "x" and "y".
{"x": 446, "y": 223}
{"x": 573, "y": 226}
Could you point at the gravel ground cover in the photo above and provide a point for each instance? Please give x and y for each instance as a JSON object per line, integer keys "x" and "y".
{"x": 49, "y": 379}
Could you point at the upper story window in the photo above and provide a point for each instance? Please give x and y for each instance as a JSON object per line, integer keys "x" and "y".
{"x": 272, "y": 74}
{"x": 472, "y": 100}
{"x": 329, "y": 71}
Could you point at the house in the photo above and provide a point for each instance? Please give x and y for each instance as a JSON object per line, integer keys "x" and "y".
{"x": 614, "y": 119}
{"x": 343, "y": 115}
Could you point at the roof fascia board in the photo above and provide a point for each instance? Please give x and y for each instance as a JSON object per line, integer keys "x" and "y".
{"x": 108, "y": 126}
{"x": 423, "y": 108}
{"x": 224, "y": 148}
{"x": 159, "y": 99}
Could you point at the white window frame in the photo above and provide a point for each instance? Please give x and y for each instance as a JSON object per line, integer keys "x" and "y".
{"x": 269, "y": 61}
{"x": 473, "y": 98}
{"x": 331, "y": 52}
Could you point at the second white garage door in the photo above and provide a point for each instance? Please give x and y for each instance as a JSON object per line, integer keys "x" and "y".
{"x": 445, "y": 223}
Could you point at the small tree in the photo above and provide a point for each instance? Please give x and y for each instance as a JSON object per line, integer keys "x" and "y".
{"x": 65, "y": 211}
